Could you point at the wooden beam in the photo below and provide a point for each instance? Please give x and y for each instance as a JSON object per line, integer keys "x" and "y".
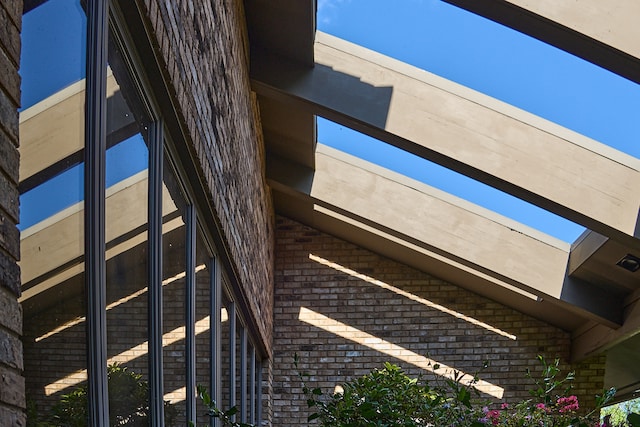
{"x": 471, "y": 133}
{"x": 444, "y": 227}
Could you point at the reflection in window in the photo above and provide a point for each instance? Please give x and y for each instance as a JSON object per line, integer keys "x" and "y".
{"x": 250, "y": 384}
{"x": 54, "y": 303}
{"x": 204, "y": 352}
{"x": 227, "y": 350}
{"x": 174, "y": 266}
{"x": 53, "y": 39}
{"x": 240, "y": 372}
{"x": 51, "y": 223}
{"x": 127, "y": 159}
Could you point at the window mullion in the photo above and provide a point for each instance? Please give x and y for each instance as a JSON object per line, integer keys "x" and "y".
{"x": 94, "y": 212}
{"x": 156, "y": 393}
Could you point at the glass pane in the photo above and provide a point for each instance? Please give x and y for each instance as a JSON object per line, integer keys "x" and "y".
{"x": 228, "y": 399}
{"x": 250, "y": 385}
{"x": 127, "y": 247}
{"x": 203, "y": 325}
{"x": 51, "y": 221}
{"x": 174, "y": 298}
{"x": 240, "y": 384}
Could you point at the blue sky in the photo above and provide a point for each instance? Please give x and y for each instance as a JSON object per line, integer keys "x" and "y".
{"x": 497, "y": 61}
{"x": 429, "y": 34}
{"x": 53, "y": 40}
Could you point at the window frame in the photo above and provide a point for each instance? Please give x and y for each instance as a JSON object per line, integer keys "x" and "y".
{"x": 112, "y": 22}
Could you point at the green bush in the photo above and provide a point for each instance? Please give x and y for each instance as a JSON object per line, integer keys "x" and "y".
{"x": 226, "y": 417}
{"x": 387, "y": 397}
{"x": 128, "y": 403}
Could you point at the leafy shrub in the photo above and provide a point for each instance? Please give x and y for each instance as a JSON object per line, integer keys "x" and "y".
{"x": 128, "y": 403}
{"x": 388, "y": 397}
{"x": 225, "y": 417}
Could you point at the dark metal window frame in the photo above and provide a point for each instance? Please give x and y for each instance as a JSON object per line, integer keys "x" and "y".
{"x": 94, "y": 211}
{"x": 100, "y": 14}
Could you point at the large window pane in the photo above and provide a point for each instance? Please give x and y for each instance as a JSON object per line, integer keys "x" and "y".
{"x": 250, "y": 385}
{"x": 227, "y": 350}
{"x": 204, "y": 356}
{"x": 52, "y": 210}
{"x": 241, "y": 372}
{"x": 127, "y": 160}
{"x": 174, "y": 266}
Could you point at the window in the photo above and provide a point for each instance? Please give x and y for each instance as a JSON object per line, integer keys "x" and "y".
{"x": 122, "y": 288}
{"x": 52, "y": 202}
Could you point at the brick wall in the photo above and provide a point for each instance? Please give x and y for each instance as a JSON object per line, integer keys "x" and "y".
{"x": 12, "y": 396}
{"x": 330, "y": 293}
{"x": 204, "y": 52}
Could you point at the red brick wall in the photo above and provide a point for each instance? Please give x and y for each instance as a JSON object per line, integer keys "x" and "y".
{"x": 12, "y": 395}
{"x": 422, "y": 314}
{"x": 203, "y": 50}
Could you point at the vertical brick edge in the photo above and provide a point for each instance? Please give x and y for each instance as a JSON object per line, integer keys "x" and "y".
{"x": 12, "y": 390}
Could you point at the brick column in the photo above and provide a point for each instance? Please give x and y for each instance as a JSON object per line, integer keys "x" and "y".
{"x": 12, "y": 395}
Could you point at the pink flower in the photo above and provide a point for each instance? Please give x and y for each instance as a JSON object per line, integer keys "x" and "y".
{"x": 493, "y": 416}
{"x": 504, "y": 406}
{"x": 568, "y": 404}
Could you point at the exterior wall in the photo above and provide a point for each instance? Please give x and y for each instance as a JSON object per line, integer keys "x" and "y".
{"x": 12, "y": 396}
{"x": 425, "y": 315}
{"x": 203, "y": 48}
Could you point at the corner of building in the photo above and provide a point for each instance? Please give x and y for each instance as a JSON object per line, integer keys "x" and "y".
{"x": 12, "y": 392}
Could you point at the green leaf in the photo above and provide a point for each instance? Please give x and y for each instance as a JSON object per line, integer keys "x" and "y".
{"x": 231, "y": 411}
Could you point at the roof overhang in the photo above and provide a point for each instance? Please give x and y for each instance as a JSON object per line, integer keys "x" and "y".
{"x": 463, "y": 130}
{"x": 577, "y": 287}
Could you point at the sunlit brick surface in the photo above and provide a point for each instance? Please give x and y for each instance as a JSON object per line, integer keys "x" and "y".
{"x": 369, "y": 309}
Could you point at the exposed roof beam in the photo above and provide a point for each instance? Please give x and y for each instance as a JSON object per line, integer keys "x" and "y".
{"x": 444, "y": 226}
{"x": 603, "y": 32}
{"x": 471, "y": 133}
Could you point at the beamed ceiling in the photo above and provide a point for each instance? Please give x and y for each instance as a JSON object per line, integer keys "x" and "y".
{"x": 299, "y": 73}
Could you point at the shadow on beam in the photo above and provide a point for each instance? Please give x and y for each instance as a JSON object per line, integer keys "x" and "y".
{"x": 368, "y": 104}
